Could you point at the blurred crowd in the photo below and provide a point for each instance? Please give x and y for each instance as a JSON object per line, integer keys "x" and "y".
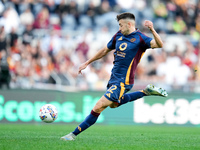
{"x": 45, "y": 41}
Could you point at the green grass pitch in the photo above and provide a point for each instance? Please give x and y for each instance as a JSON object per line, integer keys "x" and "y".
{"x": 98, "y": 137}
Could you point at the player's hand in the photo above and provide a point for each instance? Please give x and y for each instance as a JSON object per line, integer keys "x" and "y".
{"x": 82, "y": 66}
{"x": 148, "y": 24}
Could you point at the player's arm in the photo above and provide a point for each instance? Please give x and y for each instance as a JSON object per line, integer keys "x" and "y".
{"x": 101, "y": 53}
{"x": 157, "y": 41}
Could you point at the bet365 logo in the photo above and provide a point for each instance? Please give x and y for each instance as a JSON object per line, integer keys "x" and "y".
{"x": 179, "y": 111}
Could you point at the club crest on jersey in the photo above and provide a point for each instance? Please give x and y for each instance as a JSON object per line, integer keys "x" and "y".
{"x": 123, "y": 46}
{"x": 133, "y": 39}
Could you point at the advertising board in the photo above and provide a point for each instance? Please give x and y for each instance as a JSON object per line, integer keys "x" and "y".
{"x": 18, "y": 106}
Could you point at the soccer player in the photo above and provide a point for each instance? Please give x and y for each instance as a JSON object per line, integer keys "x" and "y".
{"x": 129, "y": 45}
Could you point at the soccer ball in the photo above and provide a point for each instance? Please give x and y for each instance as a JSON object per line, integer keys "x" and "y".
{"x": 48, "y": 113}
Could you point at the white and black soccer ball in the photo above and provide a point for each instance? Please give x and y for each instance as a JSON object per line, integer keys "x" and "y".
{"x": 48, "y": 113}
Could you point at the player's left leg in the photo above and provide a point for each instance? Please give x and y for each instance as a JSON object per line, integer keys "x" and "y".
{"x": 102, "y": 104}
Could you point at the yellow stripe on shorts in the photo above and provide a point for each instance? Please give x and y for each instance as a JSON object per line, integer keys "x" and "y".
{"x": 122, "y": 90}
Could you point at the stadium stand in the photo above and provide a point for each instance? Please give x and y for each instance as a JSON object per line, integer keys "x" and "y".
{"x": 46, "y": 40}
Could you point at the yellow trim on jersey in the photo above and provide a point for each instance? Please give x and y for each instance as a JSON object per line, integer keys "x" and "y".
{"x": 122, "y": 90}
{"x": 141, "y": 56}
{"x": 128, "y": 73}
{"x": 120, "y": 38}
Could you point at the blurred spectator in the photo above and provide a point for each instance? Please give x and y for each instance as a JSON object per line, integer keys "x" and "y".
{"x": 167, "y": 69}
{"x": 27, "y": 35}
{"x": 92, "y": 11}
{"x": 60, "y": 10}
{"x": 13, "y": 39}
{"x": 104, "y": 7}
{"x": 104, "y": 36}
{"x": 125, "y": 4}
{"x": 72, "y": 8}
{"x": 50, "y": 5}
{"x": 182, "y": 75}
{"x": 92, "y": 77}
{"x": 83, "y": 47}
{"x": 3, "y": 40}
{"x": 55, "y": 22}
{"x": 197, "y": 17}
{"x": 161, "y": 14}
{"x": 179, "y": 25}
{"x": 171, "y": 8}
{"x": 197, "y": 21}
{"x": 188, "y": 11}
{"x": 160, "y": 10}
{"x": 195, "y": 36}
{"x": 42, "y": 19}
{"x": 27, "y": 17}
{"x": 108, "y": 65}
{"x": 51, "y": 44}
{"x": 112, "y": 3}
{"x": 10, "y": 19}
{"x": 68, "y": 44}
{"x": 190, "y": 55}
{"x": 4, "y": 70}
{"x": 1, "y": 7}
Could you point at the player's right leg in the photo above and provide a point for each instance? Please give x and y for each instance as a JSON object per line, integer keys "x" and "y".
{"x": 148, "y": 91}
{"x": 102, "y": 104}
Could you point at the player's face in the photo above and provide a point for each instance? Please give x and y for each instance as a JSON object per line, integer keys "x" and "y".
{"x": 123, "y": 27}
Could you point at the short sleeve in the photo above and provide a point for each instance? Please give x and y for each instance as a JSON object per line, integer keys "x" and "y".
{"x": 146, "y": 41}
{"x": 112, "y": 42}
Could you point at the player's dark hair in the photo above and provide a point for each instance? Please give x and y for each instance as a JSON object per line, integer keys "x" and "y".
{"x": 125, "y": 16}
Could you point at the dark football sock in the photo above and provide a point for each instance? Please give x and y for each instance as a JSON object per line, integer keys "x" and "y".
{"x": 89, "y": 120}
